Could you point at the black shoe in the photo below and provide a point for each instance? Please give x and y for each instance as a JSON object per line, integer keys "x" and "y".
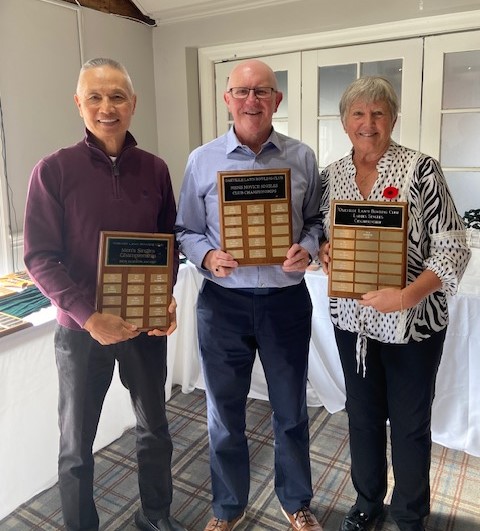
{"x": 355, "y": 520}
{"x": 164, "y": 524}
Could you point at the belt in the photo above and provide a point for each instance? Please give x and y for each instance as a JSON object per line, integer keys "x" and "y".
{"x": 259, "y": 291}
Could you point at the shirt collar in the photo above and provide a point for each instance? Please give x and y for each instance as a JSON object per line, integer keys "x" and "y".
{"x": 233, "y": 143}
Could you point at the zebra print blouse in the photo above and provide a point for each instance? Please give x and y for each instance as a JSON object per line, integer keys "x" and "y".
{"x": 436, "y": 241}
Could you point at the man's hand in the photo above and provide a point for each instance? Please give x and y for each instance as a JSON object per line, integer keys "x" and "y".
{"x": 172, "y": 310}
{"x": 109, "y": 329}
{"x": 297, "y": 259}
{"x": 219, "y": 263}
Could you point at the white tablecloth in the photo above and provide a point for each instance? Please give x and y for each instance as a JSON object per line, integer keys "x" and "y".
{"x": 28, "y": 389}
{"x": 456, "y": 408}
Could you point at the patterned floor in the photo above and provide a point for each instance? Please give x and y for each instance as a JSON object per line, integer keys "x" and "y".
{"x": 455, "y": 477}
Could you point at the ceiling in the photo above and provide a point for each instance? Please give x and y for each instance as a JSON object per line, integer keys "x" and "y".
{"x": 168, "y": 11}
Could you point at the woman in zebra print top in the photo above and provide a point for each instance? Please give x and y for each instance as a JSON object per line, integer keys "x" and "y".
{"x": 390, "y": 340}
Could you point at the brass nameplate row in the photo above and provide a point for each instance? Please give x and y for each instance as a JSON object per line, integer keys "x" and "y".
{"x": 10, "y": 323}
{"x": 135, "y": 277}
{"x": 255, "y": 215}
{"x": 368, "y": 247}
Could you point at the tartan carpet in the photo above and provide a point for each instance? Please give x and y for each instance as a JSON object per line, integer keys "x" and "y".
{"x": 455, "y": 477}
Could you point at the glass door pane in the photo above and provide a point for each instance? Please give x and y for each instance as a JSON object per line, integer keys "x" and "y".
{"x": 451, "y": 113}
{"x": 327, "y": 73}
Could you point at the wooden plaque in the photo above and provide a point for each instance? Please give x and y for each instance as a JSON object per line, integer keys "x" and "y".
{"x": 255, "y": 215}
{"x": 368, "y": 247}
{"x": 10, "y": 323}
{"x": 134, "y": 279}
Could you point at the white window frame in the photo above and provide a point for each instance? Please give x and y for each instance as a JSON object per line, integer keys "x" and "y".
{"x": 418, "y": 27}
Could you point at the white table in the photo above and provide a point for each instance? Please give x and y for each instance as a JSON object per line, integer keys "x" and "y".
{"x": 29, "y": 387}
{"x": 456, "y": 408}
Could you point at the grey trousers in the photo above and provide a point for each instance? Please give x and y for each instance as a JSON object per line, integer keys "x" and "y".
{"x": 85, "y": 370}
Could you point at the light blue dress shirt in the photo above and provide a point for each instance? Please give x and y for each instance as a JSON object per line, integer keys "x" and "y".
{"x": 198, "y": 223}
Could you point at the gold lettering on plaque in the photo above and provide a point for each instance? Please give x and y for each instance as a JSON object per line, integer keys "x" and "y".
{"x": 345, "y": 244}
{"x": 237, "y": 253}
{"x": 279, "y": 207}
{"x": 112, "y": 288}
{"x": 136, "y": 277}
{"x": 255, "y": 209}
{"x": 257, "y": 253}
{"x": 233, "y": 243}
{"x": 344, "y": 233}
{"x": 136, "y": 289}
{"x": 158, "y": 310}
{"x": 256, "y": 231}
{"x": 343, "y": 255}
{"x": 134, "y": 311}
{"x": 257, "y": 242}
{"x": 230, "y": 210}
{"x": 112, "y": 300}
{"x": 233, "y": 232}
{"x": 159, "y": 278}
{"x": 158, "y": 299}
{"x": 158, "y": 322}
{"x": 135, "y": 300}
{"x": 256, "y": 220}
{"x": 158, "y": 288}
{"x": 233, "y": 220}
{"x": 112, "y": 277}
{"x": 279, "y": 218}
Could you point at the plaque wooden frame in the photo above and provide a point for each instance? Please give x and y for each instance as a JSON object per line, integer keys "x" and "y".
{"x": 255, "y": 215}
{"x": 10, "y": 323}
{"x": 368, "y": 247}
{"x": 135, "y": 277}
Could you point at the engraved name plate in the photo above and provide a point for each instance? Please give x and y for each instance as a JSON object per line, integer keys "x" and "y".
{"x": 134, "y": 280}
{"x": 255, "y": 215}
{"x": 368, "y": 247}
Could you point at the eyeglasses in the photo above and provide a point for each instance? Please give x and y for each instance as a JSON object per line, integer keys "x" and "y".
{"x": 242, "y": 93}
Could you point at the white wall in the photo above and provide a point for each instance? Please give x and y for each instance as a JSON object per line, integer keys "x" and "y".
{"x": 175, "y": 71}
{"x": 42, "y": 47}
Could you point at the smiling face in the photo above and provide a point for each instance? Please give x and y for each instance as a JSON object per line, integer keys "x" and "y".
{"x": 106, "y": 102}
{"x": 369, "y": 126}
{"x": 252, "y": 116}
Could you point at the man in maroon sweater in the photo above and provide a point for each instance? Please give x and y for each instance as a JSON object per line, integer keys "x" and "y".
{"x": 102, "y": 183}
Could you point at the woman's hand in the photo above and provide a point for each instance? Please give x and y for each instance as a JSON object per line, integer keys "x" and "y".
{"x": 384, "y": 300}
{"x": 324, "y": 256}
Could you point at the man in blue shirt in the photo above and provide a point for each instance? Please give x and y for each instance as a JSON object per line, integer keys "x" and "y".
{"x": 242, "y": 310}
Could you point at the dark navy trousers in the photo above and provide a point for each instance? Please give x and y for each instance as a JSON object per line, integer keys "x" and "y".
{"x": 399, "y": 386}
{"x": 233, "y": 324}
{"x": 85, "y": 370}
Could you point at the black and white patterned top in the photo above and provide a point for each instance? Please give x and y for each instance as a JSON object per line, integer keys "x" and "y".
{"x": 436, "y": 241}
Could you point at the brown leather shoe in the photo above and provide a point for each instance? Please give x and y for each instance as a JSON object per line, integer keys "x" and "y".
{"x": 303, "y": 520}
{"x": 216, "y": 524}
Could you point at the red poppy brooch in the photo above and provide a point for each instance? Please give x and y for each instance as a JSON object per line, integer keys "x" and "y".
{"x": 390, "y": 192}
